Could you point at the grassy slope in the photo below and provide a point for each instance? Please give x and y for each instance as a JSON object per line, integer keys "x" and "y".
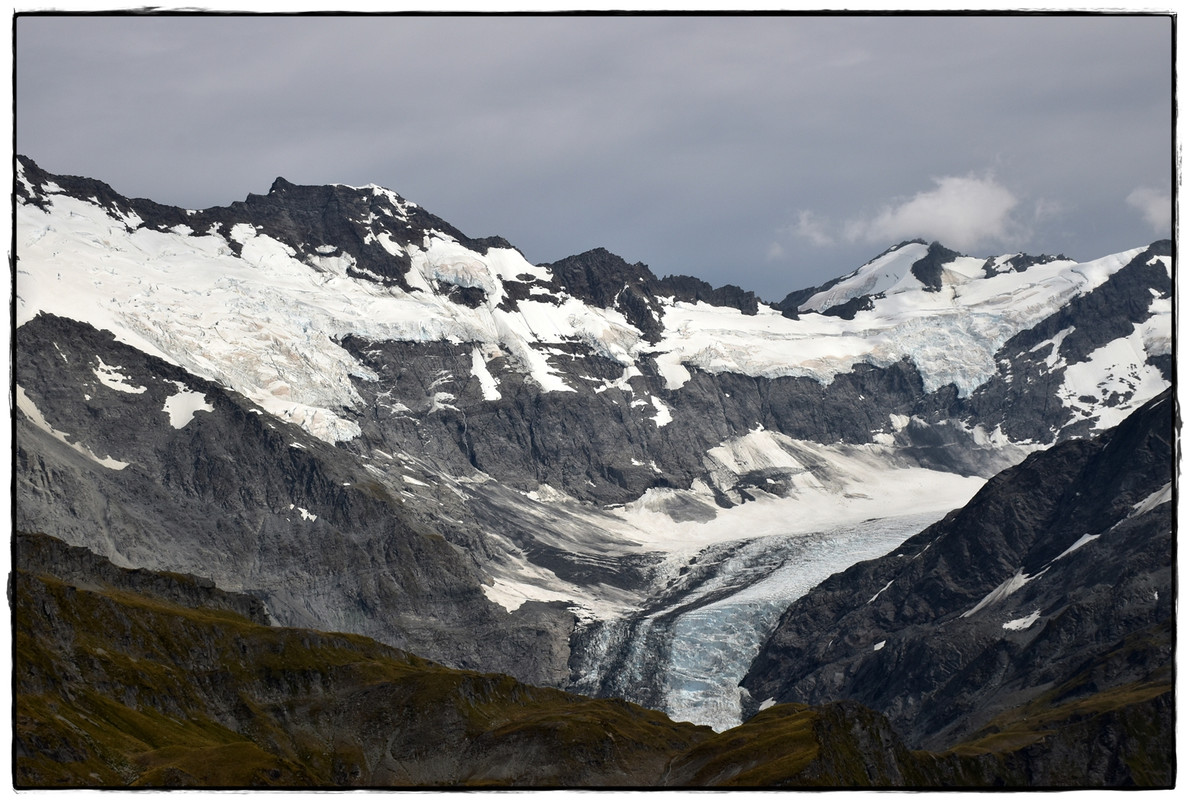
{"x": 117, "y": 688}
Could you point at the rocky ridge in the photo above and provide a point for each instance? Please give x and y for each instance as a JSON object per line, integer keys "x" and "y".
{"x": 1051, "y": 588}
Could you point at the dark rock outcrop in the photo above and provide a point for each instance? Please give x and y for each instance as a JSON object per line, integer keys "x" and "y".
{"x": 929, "y": 268}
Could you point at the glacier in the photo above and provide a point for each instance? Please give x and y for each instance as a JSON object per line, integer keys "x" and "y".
{"x": 714, "y": 631}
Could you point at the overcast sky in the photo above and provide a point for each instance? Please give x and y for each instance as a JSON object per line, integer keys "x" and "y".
{"x": 769, "y": 152}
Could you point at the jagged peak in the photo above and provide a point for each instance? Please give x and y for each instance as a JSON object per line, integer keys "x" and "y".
{"x": 280, "y": 185}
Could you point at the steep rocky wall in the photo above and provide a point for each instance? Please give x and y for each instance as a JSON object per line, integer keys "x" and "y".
{"x": 1055, "y": 563}
{"x": 253, "y": 504}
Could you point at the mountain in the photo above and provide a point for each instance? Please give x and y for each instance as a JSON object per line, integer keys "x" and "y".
{"x": 1047, "y": 599}
{"x": 577, "y": 474}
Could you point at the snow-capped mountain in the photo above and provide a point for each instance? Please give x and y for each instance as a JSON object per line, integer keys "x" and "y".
{"x": 577, "y": 472}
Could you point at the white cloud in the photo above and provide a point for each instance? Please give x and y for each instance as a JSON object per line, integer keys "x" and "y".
{"x": 775, "y": 251}
{"x": 962, "y": 212}
{"x": 1154, "y": 205}
{"x": 810, "y": 226}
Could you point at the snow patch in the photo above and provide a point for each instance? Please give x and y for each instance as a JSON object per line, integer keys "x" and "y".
{"x": 112, "y": 378}
{"x": 663, "y": 414}
{"x": 759, "y": 450}
{"x": 305, "y": 515}
{"x": 1000, "y": 592}
{"x": 1053, "y": 359}
{"x": 182, "y": 407}
{"x": 880, "y": 591}
{"x": 1152, "y": 501}
{"x": 544, "y": 493}
{"x": 1023, "y": 623}
{"x": 478, "y": 367}
{"x": 884, "y": 274}
{"x": 1078, "y": 544}
{"x": 511, "y": 595}
{"x": 879, "y": 645}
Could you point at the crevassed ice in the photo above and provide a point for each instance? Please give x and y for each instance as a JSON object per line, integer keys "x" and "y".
{"x": 713, "y": 645}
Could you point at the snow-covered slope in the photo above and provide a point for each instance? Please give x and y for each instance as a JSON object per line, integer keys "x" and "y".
{"x": 234, "y": 304}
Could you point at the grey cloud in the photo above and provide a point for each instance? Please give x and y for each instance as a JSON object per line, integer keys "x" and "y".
{"x": 689, "y": 143}
{"x": 1154, "y": 205}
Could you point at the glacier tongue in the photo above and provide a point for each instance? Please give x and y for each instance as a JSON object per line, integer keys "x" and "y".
{"x": 687, "y": 651}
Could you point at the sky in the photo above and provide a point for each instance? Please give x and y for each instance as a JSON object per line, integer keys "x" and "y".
{"x": 770, "y": 152}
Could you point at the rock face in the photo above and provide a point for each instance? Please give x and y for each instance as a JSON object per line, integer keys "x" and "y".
{"x": 1050, "y": 590}
{"x": 251, "y": 503}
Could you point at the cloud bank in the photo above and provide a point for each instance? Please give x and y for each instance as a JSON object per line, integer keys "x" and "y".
{"x": 965, "y": 212}
{"x": 1154, "y": 205}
